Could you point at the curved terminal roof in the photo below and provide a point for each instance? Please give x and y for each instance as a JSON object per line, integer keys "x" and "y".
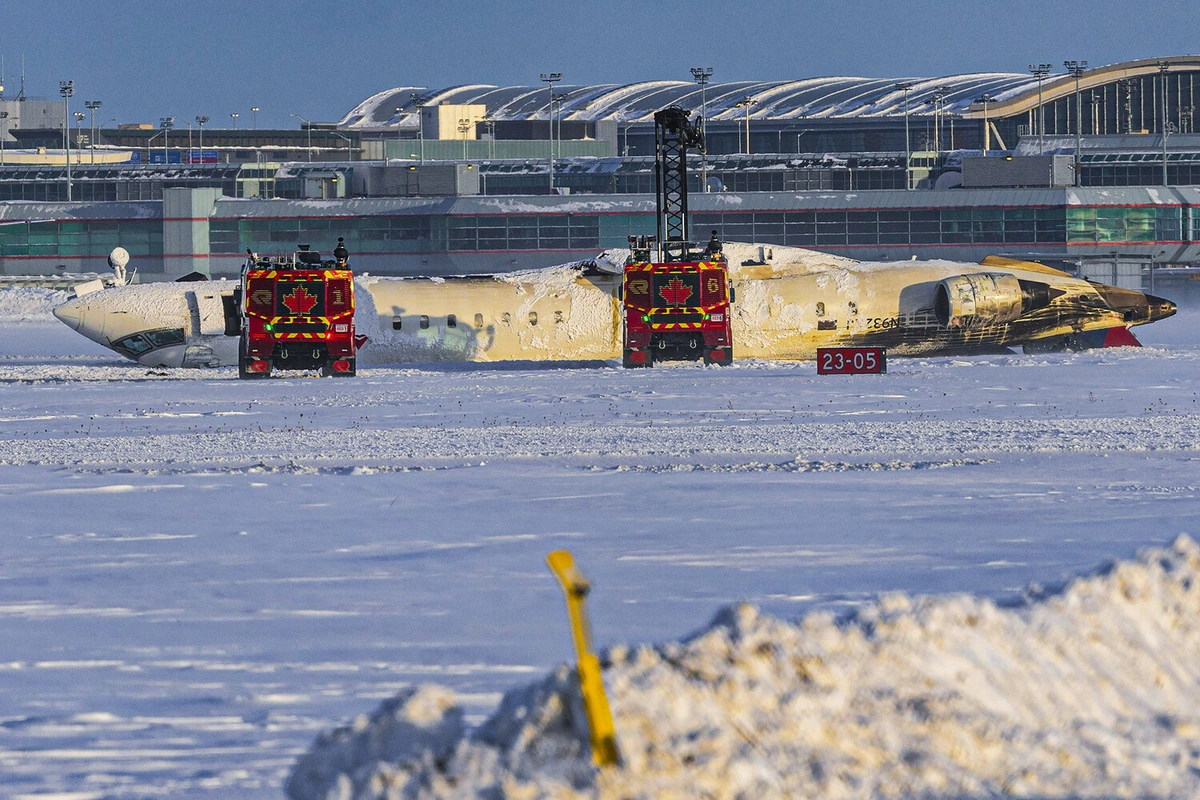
{"x": 808, "y": 98}
{"x": 811, "y": 98}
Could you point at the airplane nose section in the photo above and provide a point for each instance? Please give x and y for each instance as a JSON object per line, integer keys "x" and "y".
{"x": 70, "y": 314}
{"x": 79, "y": 314}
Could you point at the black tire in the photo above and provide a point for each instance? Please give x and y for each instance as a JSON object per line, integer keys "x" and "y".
{"x": 327, "y": 370}
{"x": 708, "y": 359}
{"x": 628, "y": 363}
{"x": 244, "y": 362}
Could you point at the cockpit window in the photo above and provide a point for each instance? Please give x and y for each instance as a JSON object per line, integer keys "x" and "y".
{"x": 133, "y": 345}
{"x": 166, "y": 337}
{"x": 139, "y": 343}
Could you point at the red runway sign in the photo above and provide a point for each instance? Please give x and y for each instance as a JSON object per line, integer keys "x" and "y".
{"x": 851, "y": 361}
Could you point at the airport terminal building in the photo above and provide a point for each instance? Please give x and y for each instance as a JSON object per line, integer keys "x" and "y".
{"x": 455, "y": 181}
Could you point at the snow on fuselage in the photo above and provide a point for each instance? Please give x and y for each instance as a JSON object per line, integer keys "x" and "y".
{"x": 785, "y": 309}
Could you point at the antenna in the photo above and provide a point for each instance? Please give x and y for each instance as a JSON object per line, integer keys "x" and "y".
{"x": 21, "y": 94}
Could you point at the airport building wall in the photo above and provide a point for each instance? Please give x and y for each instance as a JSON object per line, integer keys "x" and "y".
{"x": 1130, "y": 227}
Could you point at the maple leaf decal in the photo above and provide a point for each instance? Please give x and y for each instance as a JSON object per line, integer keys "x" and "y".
{"x": 299, "y": 301}
{"x": 676, "y": 293}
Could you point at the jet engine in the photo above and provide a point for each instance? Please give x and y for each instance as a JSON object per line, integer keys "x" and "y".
{"x": 988, "y": 298}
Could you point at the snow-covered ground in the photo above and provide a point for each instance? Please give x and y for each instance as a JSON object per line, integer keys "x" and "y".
{"x": 198, "y": 575}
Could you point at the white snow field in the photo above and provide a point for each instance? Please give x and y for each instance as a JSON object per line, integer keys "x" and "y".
{"x": 199, "y": 575}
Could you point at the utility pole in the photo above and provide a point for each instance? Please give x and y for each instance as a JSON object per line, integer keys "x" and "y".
{"x": 1040, "y": 71}
{"x": 904, "y": 87}
{"x": 551, "y": 78}
{"x": 702, "y": 75}
{"x": 1077, "y": 68}
{"x": 66, "y": 89}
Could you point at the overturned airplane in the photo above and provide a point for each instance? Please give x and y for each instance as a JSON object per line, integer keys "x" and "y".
{"x": 789, "y": 303}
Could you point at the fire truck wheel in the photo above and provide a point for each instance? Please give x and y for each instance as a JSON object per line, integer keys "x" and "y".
{"x": 244, "y": 363}
{"x": 725, "y": 352}
{"x": 330, "y": 369}
{"x": 628, "y": 363}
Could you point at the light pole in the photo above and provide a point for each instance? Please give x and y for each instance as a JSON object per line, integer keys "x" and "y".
{"x": 234, "y": 116}
{"x": 419, "y": 100}
{"x": 66, "y": 89}
{"x": 79, "y": 118}
{"x": 3, "y": 133}
{"x": 904, "y": 87}
{"x": 348, "y": 141}
{"x": 939, "y": 96}
{"x": 702, "y": 75}
{"x": 986, "y": 98}
{"x": 551, "y": 78}
{"x": 746, "y": 102}
{"x": 92, "y": 105}
{"x": 200, "y": 121}
{"x": 464, "y": 125}
{"x": 1163, "y": 68}
{"x": 490, "y": 121}
{"x": 1077, "y": 69}
{"x": 166, "y": 124}
{"x": 1040, "y": 71}
{"x": 308, "y": 126}
{"x": 254, "y": 111}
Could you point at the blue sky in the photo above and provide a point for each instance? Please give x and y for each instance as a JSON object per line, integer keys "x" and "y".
{"x": 149, "y": 59}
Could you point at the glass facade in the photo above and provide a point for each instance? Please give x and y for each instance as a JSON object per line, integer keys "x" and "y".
{"x": 1125, "y": 224}
{"x": 889, "y": 227}
{"x": 425, "y": 234}
{"x": 73, "y": 239}
{"x": 815, "y": 229}
{"x": 432, "y": 233}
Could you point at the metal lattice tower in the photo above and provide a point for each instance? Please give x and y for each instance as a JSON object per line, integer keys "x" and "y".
{"x": 673, "y": 135}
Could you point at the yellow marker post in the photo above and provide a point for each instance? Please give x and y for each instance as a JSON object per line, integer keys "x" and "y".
{"x": 595, "y": 701}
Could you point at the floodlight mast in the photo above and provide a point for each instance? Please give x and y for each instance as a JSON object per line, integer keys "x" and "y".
{"x": 1163, "y": 68}
{"x": 1077, "y": 68}
{"x": 986, "y": 98}
{"x": 92, "y": 105}
{"x": 66, "y": 89}
{"x": 904, "y": 86}
{"x": 551, "y": 78}
{"x": 702, "y": 75}
{"x": 1040, "y": 71}
{"x": 746, "y": 103}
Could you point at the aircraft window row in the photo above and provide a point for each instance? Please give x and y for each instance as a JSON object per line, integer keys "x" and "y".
{"x": 136, "y": 344}
{"x": 424, "y": 322}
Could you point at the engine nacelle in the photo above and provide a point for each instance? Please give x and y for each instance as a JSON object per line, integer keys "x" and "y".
{"x": 988, "y": 298}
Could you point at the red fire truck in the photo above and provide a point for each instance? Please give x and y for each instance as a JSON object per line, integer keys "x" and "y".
{"x": 676, "y": 311}
{"x": 297, "y": 313}
{"x": 675, "y": 307}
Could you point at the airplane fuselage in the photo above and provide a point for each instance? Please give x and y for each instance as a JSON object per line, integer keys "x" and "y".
{"x": 783, "y": 311}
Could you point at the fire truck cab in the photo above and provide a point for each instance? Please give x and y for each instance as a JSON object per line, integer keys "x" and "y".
{"x": 298, "y": 314}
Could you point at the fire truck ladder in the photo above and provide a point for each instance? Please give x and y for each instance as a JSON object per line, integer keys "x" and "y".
{"x": 673, "y": 135}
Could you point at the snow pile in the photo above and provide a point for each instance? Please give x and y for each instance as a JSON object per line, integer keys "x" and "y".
{"x": 1093, "y": 690}
{"x": 29, "y": 304}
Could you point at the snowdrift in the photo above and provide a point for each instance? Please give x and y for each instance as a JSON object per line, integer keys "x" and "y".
{"x": 28, "y": 304}
{"x": 1091, "y": 689}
